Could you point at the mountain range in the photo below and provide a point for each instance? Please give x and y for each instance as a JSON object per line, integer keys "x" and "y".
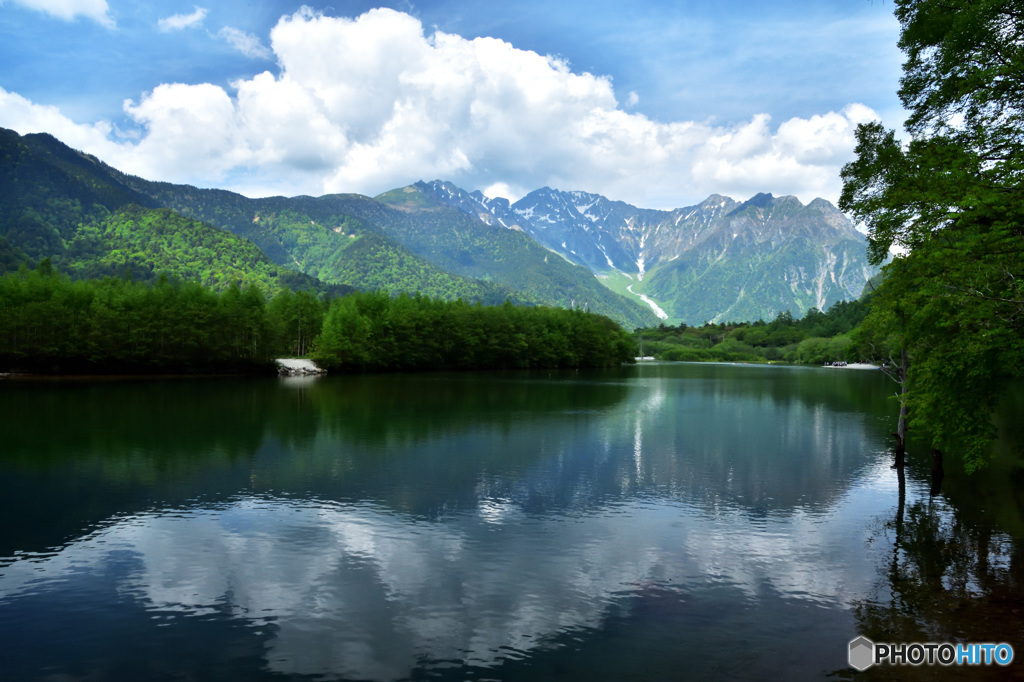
{"x": 716, "y": 261}
{"x": 719, "y": 260}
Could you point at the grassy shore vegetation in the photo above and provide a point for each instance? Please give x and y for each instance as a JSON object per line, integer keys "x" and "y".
{"x": 50, "y": 323}
{"x": 816, "y": 338}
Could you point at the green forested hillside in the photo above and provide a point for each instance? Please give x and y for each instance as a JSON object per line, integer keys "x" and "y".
{"x": 371, "y": 262}
{"x": 317, "y": 237}
{"x": 427, "y": 248}
{"x": 11, "y": 256}
{"x": 141, "y": 244}
{"x": 47, "y": 190}
{"x": 63, "y": 205}
{"x": 70, "y": 207}
{"x": 84, "y": 217}
{"x": 297, "y": 232}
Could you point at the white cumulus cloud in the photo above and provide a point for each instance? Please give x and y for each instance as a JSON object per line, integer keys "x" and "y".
{"x": 68, "y": 10}
{"x": 374, "y": 102}
{"x": 177, "y": 22}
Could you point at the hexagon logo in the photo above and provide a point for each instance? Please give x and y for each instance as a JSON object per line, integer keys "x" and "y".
{"x": 862, "y": 653}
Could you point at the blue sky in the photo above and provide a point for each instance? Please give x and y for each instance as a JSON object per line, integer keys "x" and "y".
{"x": 655, "y": 103}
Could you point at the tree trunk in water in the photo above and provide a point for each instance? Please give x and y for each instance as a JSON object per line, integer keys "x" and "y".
{"x": 897, "y": 545}
{"x": 901, "y": 425}
{"x": 937, "y": 472}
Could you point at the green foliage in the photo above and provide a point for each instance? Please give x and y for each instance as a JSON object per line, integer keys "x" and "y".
{"x": 815, "y": 350}
{"x": 372, "y": 262}
{"x": 144, "y": 243}
{"x": 964, "y": 340}
{"x": 50, "y": 323}
{"x": 952, "y": 199}
{"x": 814, "y": 339}
{"x": 11, "y": 256}
{"x": 683, "y": 354}
{"x": 47, "y": 190}
{"x": 372, "y": 331}
{"x": 294, "y": 319}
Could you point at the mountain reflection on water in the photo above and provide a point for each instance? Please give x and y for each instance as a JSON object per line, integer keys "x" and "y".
{"x": 609, "y": 524}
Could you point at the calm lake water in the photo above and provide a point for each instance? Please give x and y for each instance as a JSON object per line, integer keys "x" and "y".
{"x": 662, "y": 521}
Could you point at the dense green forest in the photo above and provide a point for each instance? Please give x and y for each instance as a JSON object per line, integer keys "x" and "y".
{"x": 815, "y": 339}
{"x": 50, "y": 323}
{"x": 144, "y": 244}
{"x": 950, "y": 310}
{"x": 377, "y": 332}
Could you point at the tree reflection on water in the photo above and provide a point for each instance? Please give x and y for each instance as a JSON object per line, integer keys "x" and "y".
{"x": 954, "y": 573}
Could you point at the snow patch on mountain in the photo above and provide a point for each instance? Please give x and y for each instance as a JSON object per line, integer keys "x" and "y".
{"x": 662, "y": 315}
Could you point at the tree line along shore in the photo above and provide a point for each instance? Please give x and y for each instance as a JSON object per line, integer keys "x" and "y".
{"x": 52, "y": 324}
{"x": 817, "y": 338}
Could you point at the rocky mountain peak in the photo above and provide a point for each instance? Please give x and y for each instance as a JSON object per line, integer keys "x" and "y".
{"x": 753, "y": 258}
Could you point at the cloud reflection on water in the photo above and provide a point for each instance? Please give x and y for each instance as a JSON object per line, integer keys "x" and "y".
{"x": 480, "y": 537}
{"x": 363, "y": 592}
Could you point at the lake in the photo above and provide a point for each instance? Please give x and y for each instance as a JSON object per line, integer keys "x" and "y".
{"x": 659, "y": 521}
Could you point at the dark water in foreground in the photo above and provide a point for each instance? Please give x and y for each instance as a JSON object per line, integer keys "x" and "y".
{"x": 655, "y": 522}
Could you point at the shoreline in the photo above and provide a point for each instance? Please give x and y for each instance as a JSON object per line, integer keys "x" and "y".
{"x": 30, "y": 376}
{"x": 305, "y": 368}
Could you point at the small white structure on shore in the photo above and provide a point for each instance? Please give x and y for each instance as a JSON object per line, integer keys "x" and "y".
{"x": 852, "y": 365}
{"x": 297, "y": 367}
